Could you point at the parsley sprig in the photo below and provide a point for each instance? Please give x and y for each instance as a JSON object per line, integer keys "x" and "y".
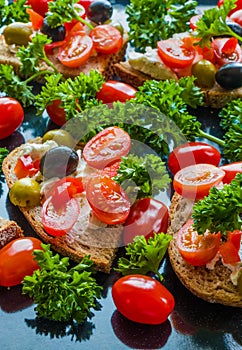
{"x": 143, "y": 257}
{"x": 221, "y": 210}
{"x": 145, "y": 175}
{"x": 60, "y": 293}
{"x": 161, "y": 18}
{"x": 14, "y": 12}
{"x": 213, "y": 23}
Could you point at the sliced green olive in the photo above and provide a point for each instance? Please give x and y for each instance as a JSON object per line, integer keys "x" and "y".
{"x": 60, "y": 136}
{"x": 25, "y": 192}
{"x": 204, "y": 71}
{"x": 17, "y": 33}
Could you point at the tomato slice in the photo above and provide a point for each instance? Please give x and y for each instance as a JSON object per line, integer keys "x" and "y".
{"x": 175, "y": 54}
{"x": 106, "y": 39}
{"x": 147, "y": 215}
{"x": 229, "y": 253}
{"x": 195, "y": 181}
{"x": 230, "y": 171}
{"x": 106, "y": 147}
{"x": 192, "y": 153}
{"x": 25, "y": 166}
{"x": 113, "y": 90}
{"x": 226, "y": 50}
{"x": 195, "y": 249}
{"x": 112, "y": 169}
{"x": 76, "y": 51}
{"x": 107, "y": 199}
{"x": 59, "y": 222}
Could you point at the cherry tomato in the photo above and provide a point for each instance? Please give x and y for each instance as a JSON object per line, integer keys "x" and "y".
{"x": 107, "y": 199}
{"x": 192, "y": 153}
{"x": 230, "y": 171}
{"x": 25, "y": 166}
{"x": 230, "y": 249}
{"x": 175, "y": 54}
{"x": 76, "y": 50}
{"x": 39, "y": 6}
{"x": 235, "y": 238}
{"x": 237, "y": 16}
{"x": 147, "y": 215}
{"x": 195, "y": 249}
{"x": 112, "y": 169}
{"x": 106, "y": 147}
{"x": 238, "y": 5}
{"x": 226, "y": 50}
{"x": 56, "y": 113}
{"x": 11, "y": 116}
{"x": 142, "y": 299}
{"x": 113, "y": 90}
{"x": 55, "y": 44}
{"x": 193, "y": 21}
{"x": 17, "y": 261}
{"x": 58, "y": 222}
{"x": 85, "y": 3}
{"x": 195, "y": 181}
{"x": 35, "y": 18}
{"x": 106, "y": 39}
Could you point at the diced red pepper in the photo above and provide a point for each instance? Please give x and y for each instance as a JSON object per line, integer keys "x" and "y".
{"x": 25, "y": 166}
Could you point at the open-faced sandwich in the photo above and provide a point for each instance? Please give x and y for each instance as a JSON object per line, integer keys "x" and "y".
{"x": 65, "y": 38}
{"x": 209, "y": 49}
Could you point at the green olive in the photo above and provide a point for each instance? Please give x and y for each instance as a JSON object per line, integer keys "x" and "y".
{"x": 240, "y": 282}
{"x": 25, "y": 192}
{"x": 60, "y": 136}
{"x": 204, "y": 71}
{"x": 17, "y": 33}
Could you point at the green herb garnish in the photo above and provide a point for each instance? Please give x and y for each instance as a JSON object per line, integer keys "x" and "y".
{"x": 144, "y": 257}
{"x": 3, "y": 153}
{"x": 14, "y": 12}
{"x": 221, "y": 210}
{"x": 60, "y": 293}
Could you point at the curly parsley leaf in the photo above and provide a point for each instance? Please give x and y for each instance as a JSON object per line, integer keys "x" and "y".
{"x": 213, "y": 23}
{"x": 144, "y": 257}
{"x": 12, "y": 85}
{"x": 60, "y": 293}
{"x": 221, "y": 210}
{"x": 3, "y": 153}
{"x": 161, "y": 18}
{"x": 143, "y": 176}
{"x": 14, "y": 12}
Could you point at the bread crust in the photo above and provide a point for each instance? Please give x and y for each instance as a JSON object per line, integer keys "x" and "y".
{"x": 213, "y": 285}
{"x": 216, "y": 97}
{"x": 99, "y": 241}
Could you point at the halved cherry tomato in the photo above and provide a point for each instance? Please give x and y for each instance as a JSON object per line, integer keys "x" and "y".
{"x": 226, "y": 50}
{"x": 76, "y": 50}
{"x": 35, "y": 18}
{"x": 238, "y": 5}
{"x": 230, "y": 171}
{"x": 17, "y": 261}
{"x": 59, "y": 222}
{"x": 106, "y": 147}
{"x": 142, "y": 299}
{"x": 230, "y": 249}
{"x": 113, "y": 90}
{"x": 25, "y": 166}
{"x": 107, "y": 199}
{"x": 195, "y": 249}
{"x": 192, "y": 153}
{"x": 237, "y": 16}
{"x": 50, "y": 47}
{"x": 56, "y": 113}
{"x": 175, "y": 54}
{"x": 195, "y": 181}
{"x": 106, "y": 39}
{"x": 193, "y": 20}
{"x": 147, "y": 215}
{"x": 112, "y": 169}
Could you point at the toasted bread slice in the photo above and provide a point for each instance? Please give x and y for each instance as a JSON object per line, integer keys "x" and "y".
{"x": 88, "y": 236}
{"x": 216, "y": 97}
{"x": 9, "y": 230}
{"x": 213, "y": 285}
{"x": 103, "y": 63}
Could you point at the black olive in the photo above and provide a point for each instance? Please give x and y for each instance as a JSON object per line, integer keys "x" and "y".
{"x": 99, "y": 11}
{"x": 59, "y": 162}
{"x": 229, "y": 76}
{"x": 235, "y": 27}
{"x": 56, "y": 34}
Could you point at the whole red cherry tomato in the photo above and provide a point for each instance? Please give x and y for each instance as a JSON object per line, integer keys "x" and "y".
{"x": 230, "y": 171}
{"x": 113, "y": 90}
{"x": 11, "y": 116}
{"x": 142, "y": 299}
{"x": 147, "y": 215}
{"x": 192, "y": 153}
{"x": 39, "y": 6}
{"x": 17, "y": 261}
{"x": 56, "y": 113}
